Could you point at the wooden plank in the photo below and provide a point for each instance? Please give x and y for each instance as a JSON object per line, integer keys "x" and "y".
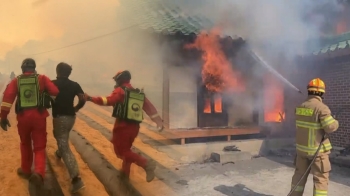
{"x": 177, "y": 134}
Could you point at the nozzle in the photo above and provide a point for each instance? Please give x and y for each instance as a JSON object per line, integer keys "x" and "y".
{"x": 300, "y": 92}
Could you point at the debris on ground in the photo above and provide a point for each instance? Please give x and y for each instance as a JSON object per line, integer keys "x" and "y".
{"x": 345, "y": 151}
{"x": 231, "y": 148}
{"x": 208, "y": 160}
{"x": 182, "y": 182}
{"x": 228, "y": 163}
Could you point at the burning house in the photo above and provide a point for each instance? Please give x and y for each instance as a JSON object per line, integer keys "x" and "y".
{"x": 212, "y": 86}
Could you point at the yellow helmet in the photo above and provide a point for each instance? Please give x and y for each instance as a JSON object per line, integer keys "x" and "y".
{"x": 316, "y": 85}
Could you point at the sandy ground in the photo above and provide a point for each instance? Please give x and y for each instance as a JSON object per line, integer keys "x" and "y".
{"x": 10, "y": 161}
{"x": 11, "y": 184}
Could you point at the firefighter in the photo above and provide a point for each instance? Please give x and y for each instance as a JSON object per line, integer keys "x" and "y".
{"x": 313, "y": 122}
{"x": 129, "y": 104}
{"x": 31, "y": 90}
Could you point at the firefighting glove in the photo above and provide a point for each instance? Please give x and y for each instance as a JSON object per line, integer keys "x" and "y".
{"x": 4, "y": 123}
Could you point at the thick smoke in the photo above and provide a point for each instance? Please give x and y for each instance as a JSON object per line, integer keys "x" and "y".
{"x": 271, "y": 25}
{"x": 96, "y": 61}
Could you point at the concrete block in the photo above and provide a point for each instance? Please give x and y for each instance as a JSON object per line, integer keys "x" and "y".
{"x": 232, "y": 156}
{"x": 341, "y": 161}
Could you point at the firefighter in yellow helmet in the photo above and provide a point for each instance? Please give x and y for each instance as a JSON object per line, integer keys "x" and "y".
{"x": 313, "y": 121}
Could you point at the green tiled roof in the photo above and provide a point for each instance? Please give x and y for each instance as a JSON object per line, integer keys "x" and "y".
{"x": 163, "y": 16}
{"x": 331, "y": 43}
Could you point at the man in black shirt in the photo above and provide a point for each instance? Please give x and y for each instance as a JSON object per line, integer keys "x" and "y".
{"x": 63, "y": 112}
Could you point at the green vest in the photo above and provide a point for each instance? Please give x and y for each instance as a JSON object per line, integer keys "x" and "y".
{"x": 28, "y": 91}
{"x": 29, "y": 95}
{"x": 131, "y": 108}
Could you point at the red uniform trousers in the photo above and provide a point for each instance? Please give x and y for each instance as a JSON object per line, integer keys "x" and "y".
{"x": 32, "y": 127}
{"x": 123, "y": 138}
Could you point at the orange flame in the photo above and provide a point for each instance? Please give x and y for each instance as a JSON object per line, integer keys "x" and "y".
{"x": 207, "y": 106}
{"x": 341, "y": 27}
{"x": 217, "y": 72}
{"x": 218, "y": 104}
{"x": 273, "y": 99}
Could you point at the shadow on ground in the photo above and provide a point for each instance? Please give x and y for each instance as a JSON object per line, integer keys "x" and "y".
{"x": 237, "y": 190}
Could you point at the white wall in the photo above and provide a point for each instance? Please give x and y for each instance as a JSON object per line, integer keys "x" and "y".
{"x": 182, "y": 98}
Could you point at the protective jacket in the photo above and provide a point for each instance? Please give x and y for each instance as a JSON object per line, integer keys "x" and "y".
{"x": 313, "y": 120}
{"x": 118, "y": 96}
{"x": 11, "y": 93}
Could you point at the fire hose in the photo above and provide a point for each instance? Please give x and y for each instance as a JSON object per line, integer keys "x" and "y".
{"x": 309, "y": 167}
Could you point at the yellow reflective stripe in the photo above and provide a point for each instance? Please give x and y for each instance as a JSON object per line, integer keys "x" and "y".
{"x": 311, "y": 140}
{"x": 304, "y": 111}
{"x": 155, "y": 115}
{"x": 308, "y": 125}
{"x": 5, "y": 104}
{"x": 320, "y": 193}
{"x": 298, "y": 189}
{"x": 312, "y": 150}
{"x": 104, "y": 100}
{"x": 327, "y": 121}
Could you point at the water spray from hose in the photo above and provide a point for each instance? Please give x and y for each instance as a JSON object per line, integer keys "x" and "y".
{"x": 271, "y": 69}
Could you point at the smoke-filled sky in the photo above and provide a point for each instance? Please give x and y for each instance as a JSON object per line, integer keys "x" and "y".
{"x": 29, "y": 27}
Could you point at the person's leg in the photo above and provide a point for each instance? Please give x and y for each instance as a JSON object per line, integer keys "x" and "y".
{"x": 61, "y": 128}
{"x": 24, "y": 132}
{"x": 301, "y": 165}
{"x": 320, "y": 170}
{"x": 127, "y": 137}
{"x": 123, "y": 138}
{"x": 39, "y": 135}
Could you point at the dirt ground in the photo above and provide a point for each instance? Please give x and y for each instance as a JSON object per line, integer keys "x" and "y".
{"x": 10, "y": 161}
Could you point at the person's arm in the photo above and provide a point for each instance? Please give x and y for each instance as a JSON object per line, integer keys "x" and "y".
{"x": 9, "y": 97}
{"x": 328, "y": 123}
{"x": 111, "y": 100}
{"x": 152, "y": 112}
{"x": 50, "y": 87}
{"x": 80, "y": 93}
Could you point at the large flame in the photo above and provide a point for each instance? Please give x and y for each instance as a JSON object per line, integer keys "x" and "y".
{"x": 217, "y": 72}
{"x": 207, "y": 106}
{"x": 218, "y": 104}
{"x": 273, "y": 99}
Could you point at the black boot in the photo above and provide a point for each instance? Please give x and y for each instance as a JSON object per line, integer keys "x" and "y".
{"x": 58, "y": 155}
{"x": 21, "y": 174}
{"x": 36, "y": 179}
{"x": 77, "y": 184}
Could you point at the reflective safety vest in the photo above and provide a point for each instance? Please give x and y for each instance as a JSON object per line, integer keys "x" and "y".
{"x": 28, "y": 91}
{"x": 310, "y": 127}
{"x": 131, "y": 109}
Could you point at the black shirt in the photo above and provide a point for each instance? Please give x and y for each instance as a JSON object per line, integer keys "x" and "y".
{"x": 64, "y": 103}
